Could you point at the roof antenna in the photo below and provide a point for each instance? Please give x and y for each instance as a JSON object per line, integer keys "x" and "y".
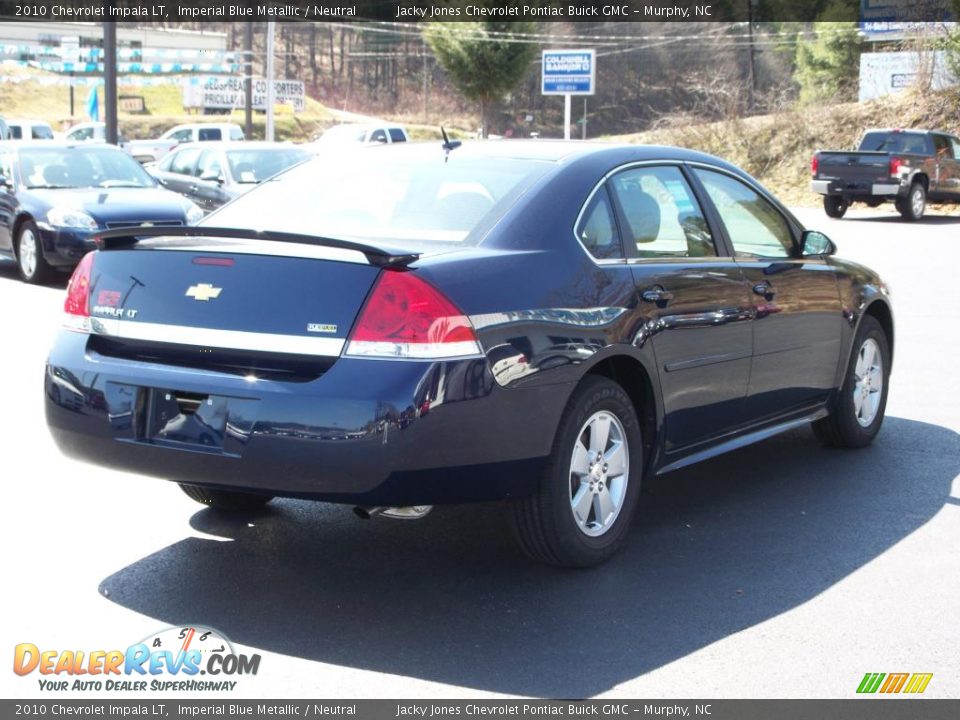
{"x": 448, "y": 144}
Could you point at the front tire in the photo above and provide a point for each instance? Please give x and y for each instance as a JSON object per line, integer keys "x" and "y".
{"x": 913, "y": 206}
{"x": 835, "y": 206}
{"x": 225, "y": 499}
{"x": 588, "y": 493}
{"x": 31, "y": 263}
{"x": 858, "y": 413}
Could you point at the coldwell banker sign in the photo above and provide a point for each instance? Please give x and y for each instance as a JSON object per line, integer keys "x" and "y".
{"x": 569, "y": 72}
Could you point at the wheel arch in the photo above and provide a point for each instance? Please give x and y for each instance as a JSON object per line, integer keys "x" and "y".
{"x": 17, "y": 224}
{"x": 880, "y": 310}
{"x": 633, "y": 376}
{"x": 923, "y": 179}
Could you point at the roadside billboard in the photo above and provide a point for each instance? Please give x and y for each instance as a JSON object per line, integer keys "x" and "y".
{"x": 215, "y": 92}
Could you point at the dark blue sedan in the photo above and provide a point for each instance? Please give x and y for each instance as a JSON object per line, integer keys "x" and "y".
{"x": 53, "y": 196}
{"x": 539, "y": 322}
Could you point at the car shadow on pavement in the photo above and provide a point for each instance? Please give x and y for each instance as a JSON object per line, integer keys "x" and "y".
{"x": 718, "y": 548}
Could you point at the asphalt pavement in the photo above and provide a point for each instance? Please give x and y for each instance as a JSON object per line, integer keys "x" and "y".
{"x": 780, "y": 570}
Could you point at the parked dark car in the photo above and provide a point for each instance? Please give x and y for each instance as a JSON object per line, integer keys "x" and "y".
{"x": 53, "y": 196}
{"x": 906, "y": 167}
{"x": 543, "y": 322}
{"x": 211, "y": 174}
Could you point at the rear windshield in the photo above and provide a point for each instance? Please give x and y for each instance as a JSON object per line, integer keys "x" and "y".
{"x": 895, "y": 142}
{"x": 385, "y": 193}
{"x": 256, "y": 165}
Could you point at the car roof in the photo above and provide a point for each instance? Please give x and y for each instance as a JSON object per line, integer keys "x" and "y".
{"x": 558, "y": 151}
{"x": 183, "y": 126}
{"x": 57, "y": 145}
{"x": 21, "y": 121}
{"x": 239, "y": 145}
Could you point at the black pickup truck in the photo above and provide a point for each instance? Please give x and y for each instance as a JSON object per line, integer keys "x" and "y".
{"x": 907, "y": 167}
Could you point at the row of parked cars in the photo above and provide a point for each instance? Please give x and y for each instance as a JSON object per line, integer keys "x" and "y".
{"x": 56, "y": 193}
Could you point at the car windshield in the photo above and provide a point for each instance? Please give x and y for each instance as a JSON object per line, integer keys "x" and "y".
{"x": 258, "y": 164}
{"x": 81, "y": 167}
{"x": 386, "y": 194}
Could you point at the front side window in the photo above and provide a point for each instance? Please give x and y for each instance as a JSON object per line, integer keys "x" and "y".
{"x": 378, "y": 136}
{"x": 205, "y": 134}
{"x": 942, "y": 145}
{"x": 81, "y": 134}
{"x": 209, "y": 165}
{"x": 42, "y": 132}
{"x": 397, "y": 135}
{"x": 597, "y": 229}
{"x": 180, "y": 136}
{"x": 661, "y": 216}
{"x": 236, "y": 134}
{"x": 955, "y": 144}
{"x": 755, "y": 227}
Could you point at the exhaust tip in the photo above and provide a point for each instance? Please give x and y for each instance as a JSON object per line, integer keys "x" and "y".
{"x": 366, "y": 513}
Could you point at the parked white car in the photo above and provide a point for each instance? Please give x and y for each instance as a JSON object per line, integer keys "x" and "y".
{"x": 373, "y": 133}
{"x": 152, "y": 150}
{"x": 29, "y": 129}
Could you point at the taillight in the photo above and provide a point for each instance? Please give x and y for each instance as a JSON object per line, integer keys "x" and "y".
{"x": 77, "y": 305}
{"x": 895, "y": 165}
{"x": 406, "y": 317}
{"x": 815, "y": 164}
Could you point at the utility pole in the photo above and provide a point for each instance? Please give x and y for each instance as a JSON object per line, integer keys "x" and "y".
{"x": 269, "y": 74}
{"x": 110, "y": 80}
{"x": 248, "y": 80}
{"x": 752, "y": 80}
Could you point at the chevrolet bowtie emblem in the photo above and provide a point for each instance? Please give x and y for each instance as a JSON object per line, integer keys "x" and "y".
{"x": 203, "y": 291}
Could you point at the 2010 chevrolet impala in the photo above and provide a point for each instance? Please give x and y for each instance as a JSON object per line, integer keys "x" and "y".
{"x": 542, "y": 322}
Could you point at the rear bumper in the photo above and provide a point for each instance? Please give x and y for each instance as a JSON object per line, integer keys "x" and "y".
{"x": 367, "y": 431}
{"x": 854, "y": 190}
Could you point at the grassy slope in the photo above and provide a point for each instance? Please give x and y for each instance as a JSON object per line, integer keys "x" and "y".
{"x": 776, "y": 149}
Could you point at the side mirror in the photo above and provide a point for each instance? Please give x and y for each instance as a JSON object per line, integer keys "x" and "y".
{"x": 5, "y": 183}
{"x": 814, "y": 243}
{"x": 212, "y": 177}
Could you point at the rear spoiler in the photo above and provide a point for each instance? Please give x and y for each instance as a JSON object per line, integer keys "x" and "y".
{"x": 126, "y": 237}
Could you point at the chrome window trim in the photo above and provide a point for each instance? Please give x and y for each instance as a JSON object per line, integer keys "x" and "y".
{"x": 214, "y": 338}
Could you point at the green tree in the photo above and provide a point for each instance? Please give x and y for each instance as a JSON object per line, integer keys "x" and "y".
{"x": 828, "y": 64}
{"x": 485, "y": 60}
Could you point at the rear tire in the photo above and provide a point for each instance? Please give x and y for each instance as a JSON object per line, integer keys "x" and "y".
{"x": 225, "y": 499}
{"x": 31, "y": 263}
{"x": 835, "y": 206}
{"x": 858, "y": 413}
{"x": 580, "y": 515}
{"x": 913, "y": 206}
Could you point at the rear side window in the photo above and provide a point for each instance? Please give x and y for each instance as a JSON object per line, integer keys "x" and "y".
{"x": 941, "y": 144}
{"x": 42, "y": 132}
{"x": 896, "y": 142}
{"x": 209, "y": 134}
{"x": 184, "y": 162}
{"x": 396, "y": 135}
{"x": 236, "y": 134}
{"x": 15, "y": 132}
{"x": 182, "y": 135}
{"x": 378, "y": 136}
{"x": 660, "y": 214}
{"x": 597, "y": 229}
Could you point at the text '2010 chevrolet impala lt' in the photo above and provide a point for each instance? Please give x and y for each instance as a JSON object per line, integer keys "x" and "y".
{"x": 397, "y": 327}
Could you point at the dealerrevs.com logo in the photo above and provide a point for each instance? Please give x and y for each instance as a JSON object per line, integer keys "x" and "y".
{"x": 180, "y": 659}
{"x": 891, "y": 683}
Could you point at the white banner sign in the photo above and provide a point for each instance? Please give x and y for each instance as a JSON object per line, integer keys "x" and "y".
{"x": 223, "y": 93}
{"x": 886, "y": 73}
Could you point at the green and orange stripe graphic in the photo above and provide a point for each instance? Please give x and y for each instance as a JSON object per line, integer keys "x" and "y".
{"x": 913, "y": 683}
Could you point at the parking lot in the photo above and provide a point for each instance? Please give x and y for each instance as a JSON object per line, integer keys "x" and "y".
{"x": 779, "y": 570}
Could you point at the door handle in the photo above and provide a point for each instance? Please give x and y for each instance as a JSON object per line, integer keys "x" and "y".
{"x": 657, "y": 295}
{"x": 194, "y": 188}
{"x": 765, "y": 290}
